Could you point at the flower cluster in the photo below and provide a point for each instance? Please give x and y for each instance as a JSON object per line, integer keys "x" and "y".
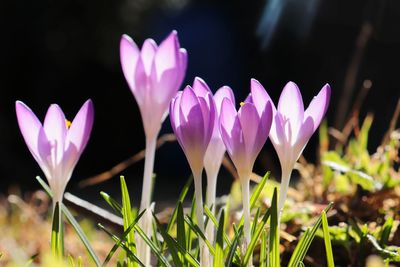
{"x": 205, "y": 126}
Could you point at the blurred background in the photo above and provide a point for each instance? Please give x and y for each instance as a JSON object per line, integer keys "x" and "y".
{"x": 68, "y": 51}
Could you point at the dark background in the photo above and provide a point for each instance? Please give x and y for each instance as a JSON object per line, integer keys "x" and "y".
{"x": 68, "y": 51}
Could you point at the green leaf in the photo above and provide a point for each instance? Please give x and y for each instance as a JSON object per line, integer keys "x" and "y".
{"x": 112, "y": 202}
{"x": 385, "y": 232}
{"x": 180, "y": 226}
{"x": 123, "y": 238}
{"x": 127, "y": 219}
{"x": 219, "y": 246}
{"x": 122, "y": 244}
{"x": 57, "y": 238}
{"x": 211, "y": 217}
{"x": 274, "y": 233}
{"x": 327, "y": 241}
{"x": 263, "y": 249}
{"x": 256, "y": 236}
{"x": 305, "y": 241}
{"x": 200, "y": 234}
{"x": 232, "y": 251}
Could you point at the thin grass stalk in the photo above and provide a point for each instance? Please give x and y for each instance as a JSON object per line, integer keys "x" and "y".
{"x": 245, "y": 181}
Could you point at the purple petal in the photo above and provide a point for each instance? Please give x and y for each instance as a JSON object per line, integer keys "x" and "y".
{"x": 304, "y": 135}
{"x": 55, "y": 127}
{"x": 141, "y": 85}
{"x": 260, "y": 97}
{"x": 223, "y": 92}
{"x": 167, "y": 56}
{"x": 129, "y": 54}
{"x": 200, "y": 87}
{"x": 250, "y": 122}
{"x": 291, "y": 107}
{"x": 31, "y": 129}
{"x": 228, "y": 116}
{"x": 147, "y": 53}
{"x": 183, "y": 65}
{"x": 81, "y": 127}
{"x": 318, "y": 106}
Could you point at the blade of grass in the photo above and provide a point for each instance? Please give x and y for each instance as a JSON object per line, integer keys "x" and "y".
{"x": 122, "y": 238}
{"x": 122, "y": 244}
{"x": 327, "y": 241}
{"x": 56, "y": 232}
{"x": 232, "y": 251}
{"x": 180, "y": 228}
{"x": 200, "y": 234}
{"x": 128, "y": 219}
{"x": 274, "y": 253}
{"x": 211, "y": 216}
{"x": 263, "y": 249}
{"x": 74, "y": 224}
{"x": 112, "y": 202}
{"x": 219, "y": 245}
{"x": 305, "y": 242}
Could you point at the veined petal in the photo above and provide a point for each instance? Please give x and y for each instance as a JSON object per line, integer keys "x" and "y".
{"x": 147, "y": 53}
{"x": 318, "y": 106}
{"x": 167, "y": 56}
{"x": 200, "y": 87}
{"x": 291, "y": 107}
{"x": 81, "y": 127}
{"x": 141, "y": 85}
{"x": 32, "y": 132}
{"x": 223, "y": 92}
{"x": 129, "y": 54}
{"x": 250, "y": 122}
{"x": 305, "y": 133}
{"x": 260, "y": 97}
{"x": 55, "y": 127}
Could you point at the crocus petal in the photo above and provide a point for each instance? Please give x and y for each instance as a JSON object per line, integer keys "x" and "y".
{"x": 129, "y": 53}
{"x": 318, "y": 106}
{"x": 260, "y": 97}
{"x": 305, "y": 133}
{"x": 32, "y": 131}
{"x": 249, "y": 121}
{"x": 200, "y": 87}
{"x": 291, "y": 106}
{"x": 167, "y": 56}
{"x": 55, "y": 127}
{"x": 183, "y": 56}
{"x": 147, "y": 53}
{"x": 81, "y": 127}
{"x": 223, "y": 92}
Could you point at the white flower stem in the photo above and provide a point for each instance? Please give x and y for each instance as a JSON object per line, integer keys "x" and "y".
{"x": 210, "y": 202}
{"x": 204, "y": 253}
{"x": 285, "y": 179}
{"x": 143, "y": 250}
{"x": 246, "y": 212}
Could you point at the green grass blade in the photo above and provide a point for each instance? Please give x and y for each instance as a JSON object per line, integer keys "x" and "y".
{"x": 305, "y": 242}
{"x": 274, "y": 258}
{"x": 152, "y": 245}
{"x": 255, "y": 221}
{"x": 200, "y": 234}
{"x": 255, "y": 237}
{"x": 122, "y": 244}
{"x": 327, "y": 241}
{"x": 128, "y": 219}
{"x": 385, "y": 232}
{"x": 232, "y": 251}
{"x": 211, "y": 217}
{"x": 219, "y": 244}
{"x": 56, "y": 232}
{"x": 45, "y": 186}
{"x": 123, "y": 238}
{"x": 263, "y": 249}
{"x": 112, "y": 202}
{"x": 81, "y": 234}
{"x": 180, "y": 227}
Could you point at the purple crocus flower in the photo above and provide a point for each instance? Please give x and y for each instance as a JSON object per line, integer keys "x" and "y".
{"x": 192, "y": 114}
{"x": 55, "y": 145}
{"x": 244, "y": 133}
{"x": 292, "y": 126}
{"x": 154, "y": 75}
